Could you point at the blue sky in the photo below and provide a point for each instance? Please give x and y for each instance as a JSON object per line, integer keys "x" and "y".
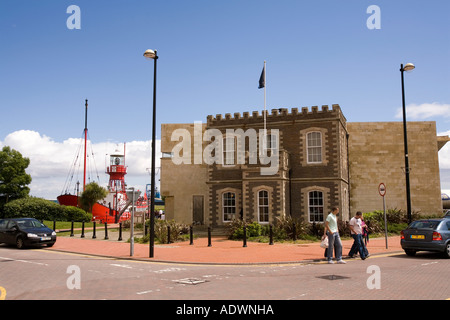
{"x": 211, "y": 55}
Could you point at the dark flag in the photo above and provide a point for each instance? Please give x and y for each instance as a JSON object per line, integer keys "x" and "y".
{"x": 262, "y": 79}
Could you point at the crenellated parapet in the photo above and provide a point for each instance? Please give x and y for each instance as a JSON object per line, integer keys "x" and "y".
{"x": 277, "y": 115}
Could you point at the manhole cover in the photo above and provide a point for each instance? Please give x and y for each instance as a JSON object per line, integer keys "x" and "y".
{"x": 332, "y": 277}
{"x": 192, "y": 281}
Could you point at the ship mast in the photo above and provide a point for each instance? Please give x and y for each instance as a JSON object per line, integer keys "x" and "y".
{"x": 85, "y": 145}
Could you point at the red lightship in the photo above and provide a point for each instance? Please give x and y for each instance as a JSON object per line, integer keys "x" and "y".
{"x": 112, "y": 208}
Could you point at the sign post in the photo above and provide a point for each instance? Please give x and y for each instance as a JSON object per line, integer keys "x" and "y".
{"x": 133, "y": 195}
{"x": 382, "y": 192}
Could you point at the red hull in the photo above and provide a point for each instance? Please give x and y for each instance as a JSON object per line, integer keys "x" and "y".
{"x": 99, "y": 211}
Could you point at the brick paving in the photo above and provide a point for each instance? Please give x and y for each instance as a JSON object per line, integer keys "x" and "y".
{"x": 222, "y": 251}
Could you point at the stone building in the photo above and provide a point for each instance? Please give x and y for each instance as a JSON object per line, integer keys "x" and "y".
{"x": 377, "y": 156}
{"x": 307, "y": 161}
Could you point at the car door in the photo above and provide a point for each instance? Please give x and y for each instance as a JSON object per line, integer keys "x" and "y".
{"x": 10, "y": 232}
{"x": 3, "y": 224}
{"x": 446, "y": 231}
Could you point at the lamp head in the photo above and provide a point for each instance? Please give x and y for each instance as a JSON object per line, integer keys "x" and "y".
{"x": 408, "y": 67}
{"x": 150, "y": 54}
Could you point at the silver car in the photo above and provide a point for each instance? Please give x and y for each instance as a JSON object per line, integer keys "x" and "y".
{"x": 427, "y": 235}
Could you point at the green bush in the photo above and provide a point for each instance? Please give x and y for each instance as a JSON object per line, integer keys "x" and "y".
{"x": 282, "y": 229}
{"x": 236, "y": 229}
{"x": 177, "y": 231}
{"x": 42, "y": 209}
{"x": 76, "y": 214}
{"x": 397, "y": 220}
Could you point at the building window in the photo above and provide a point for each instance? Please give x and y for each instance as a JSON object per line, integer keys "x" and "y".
{"x": 315, "y": 206}
{"x": 228, "y": 151}
{"x": 314, "y": 147}
{"x": 229, "y": 206}
{"x": 272, "y": 142}
{"x": 263, "y": 206}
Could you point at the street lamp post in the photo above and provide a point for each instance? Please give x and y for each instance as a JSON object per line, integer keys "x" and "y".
{"x": 407, "y": 67}
{"x": 150, "y": 54}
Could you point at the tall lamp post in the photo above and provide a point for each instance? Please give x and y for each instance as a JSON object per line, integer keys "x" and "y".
{"x": 150, "y": 54}
{"x": 407, "y": 67}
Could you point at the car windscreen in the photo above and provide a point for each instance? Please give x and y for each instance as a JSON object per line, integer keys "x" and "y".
{"x": 29, "y": 223}
{"x": 424, "y": 224}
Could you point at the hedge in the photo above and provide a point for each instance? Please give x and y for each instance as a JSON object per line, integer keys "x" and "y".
{"x": 42, "y": 209}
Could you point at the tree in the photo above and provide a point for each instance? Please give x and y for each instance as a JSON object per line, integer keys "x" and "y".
{"x": 14, "y": 180}
{"x": 91, "y": 194}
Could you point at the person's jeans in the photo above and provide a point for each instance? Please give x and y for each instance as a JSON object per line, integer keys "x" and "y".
{"x": 357, "y": 246}
{"x": 334, "y": 242}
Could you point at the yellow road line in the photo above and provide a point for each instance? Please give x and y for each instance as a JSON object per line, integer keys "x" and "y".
{"x": 2, "y": 293}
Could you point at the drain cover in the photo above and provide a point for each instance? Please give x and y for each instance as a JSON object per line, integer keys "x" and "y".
{"x": 192, "y": 281}
{"x": 332, "y": 277}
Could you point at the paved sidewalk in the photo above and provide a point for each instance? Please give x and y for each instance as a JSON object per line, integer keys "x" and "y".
{"x": 222, "y": 251}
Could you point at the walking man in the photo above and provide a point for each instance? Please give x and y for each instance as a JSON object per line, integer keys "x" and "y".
{"x": 356, "y": 231}
{"x": 334, "y": 240}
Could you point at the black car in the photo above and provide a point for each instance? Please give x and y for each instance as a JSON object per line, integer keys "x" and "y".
{"x": 427, "y": 235}
{"x": 24, "y": 232}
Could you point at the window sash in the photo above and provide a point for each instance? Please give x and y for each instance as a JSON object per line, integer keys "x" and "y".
{"x": 263, "y": 206}
{"x": 314, "y": 147}
{"x": 229, "y": 206}
{"x": 315, "y": 206}
{"x": 228, "y": 150}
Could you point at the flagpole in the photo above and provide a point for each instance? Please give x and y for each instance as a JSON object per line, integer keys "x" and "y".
{"x": 265, "y": 98}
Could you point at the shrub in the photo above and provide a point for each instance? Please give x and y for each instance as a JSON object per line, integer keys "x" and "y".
{"x": 76, "y": 214}
{"x": 236, "y": 229}
{"x": 177, "y": 231}
{"x": 283, "y": 229}
{"x": 397, "y": 220}
{"x": 284, "y": 226}
{"x": 42, "y": 209}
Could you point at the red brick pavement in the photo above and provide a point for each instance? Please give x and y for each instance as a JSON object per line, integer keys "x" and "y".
{"x": 222, "y": 251}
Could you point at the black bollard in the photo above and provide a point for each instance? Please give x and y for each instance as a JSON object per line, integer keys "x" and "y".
{"x": 245, "y": 237}
{"x": 82, "y": 229}
{"x": 71, "y": 229}
{"x": 168, "y": 234}
{"x": 270, "y": 235}
{"x": 106, "y": 231}
{"x": 209, "y": 237}
{"x": 191, "y": 235}
{"x": 93, "y": 234}
{"x": 54, "y": 225}
{"x": 120, "y": 232}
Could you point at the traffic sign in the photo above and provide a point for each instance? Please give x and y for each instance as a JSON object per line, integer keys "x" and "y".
{"x": 382, "y": 189}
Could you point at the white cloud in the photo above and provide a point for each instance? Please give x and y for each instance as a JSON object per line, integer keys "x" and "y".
{"x": 50, "y": 161}
{"x": 425, "y": 110}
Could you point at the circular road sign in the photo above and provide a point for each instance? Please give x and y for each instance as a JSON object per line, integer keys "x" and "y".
{"x": 382, "y": 189}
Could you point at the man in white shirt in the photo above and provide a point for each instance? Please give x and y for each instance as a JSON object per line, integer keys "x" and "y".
{"x": 356, "y": 231}
{"x": 334, "y": 240}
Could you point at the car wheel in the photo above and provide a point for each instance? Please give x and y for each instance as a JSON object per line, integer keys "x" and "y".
{"x": 19, "y": 243}
{"x": 447, "y": 251}
{"x": 410, "y": 253}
